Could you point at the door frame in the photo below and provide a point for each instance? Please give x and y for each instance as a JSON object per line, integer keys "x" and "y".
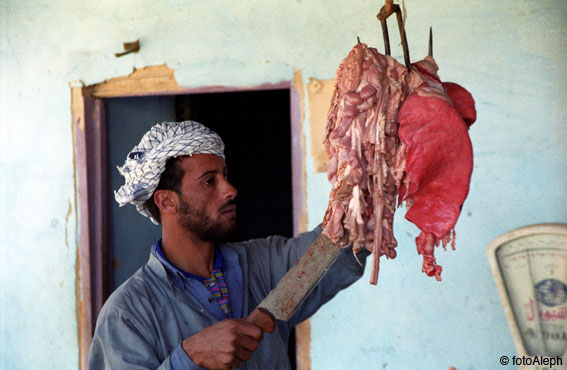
{"x": 90, "y": 164}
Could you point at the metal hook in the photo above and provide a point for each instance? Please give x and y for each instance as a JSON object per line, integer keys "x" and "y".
{"x": 387, "y": 10}
{"x": 430, "y": 52}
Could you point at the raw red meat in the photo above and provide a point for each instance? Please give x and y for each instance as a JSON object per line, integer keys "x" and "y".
{"x": 426, "y": 161}
{"x": 439, "y": 166}
{"x": 462, "y": 100}
{"x": 439, "y": 163}
{"x": 439, "y": 158}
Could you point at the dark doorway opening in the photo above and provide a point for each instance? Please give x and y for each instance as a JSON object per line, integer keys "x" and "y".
{"x": 256, "y": 129}
{"x": 255, "y": 126}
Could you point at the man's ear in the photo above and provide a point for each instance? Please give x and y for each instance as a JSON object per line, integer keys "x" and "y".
{"x": 166, "y": 200}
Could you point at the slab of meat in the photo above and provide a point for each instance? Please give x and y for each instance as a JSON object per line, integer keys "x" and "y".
{"x": 439, "y": 158}
{"x": 392, "y": 134}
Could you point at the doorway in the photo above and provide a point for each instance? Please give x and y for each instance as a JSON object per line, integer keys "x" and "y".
{"x": 256, "y": 129}
{"x": 255, "y": 126}
{"x": 93, "y": 167}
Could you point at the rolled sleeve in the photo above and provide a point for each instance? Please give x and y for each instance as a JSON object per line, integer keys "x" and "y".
{"x": 273, "y": 257}
{"x": 181, "y": 361}
{"x": 345, "y": 271}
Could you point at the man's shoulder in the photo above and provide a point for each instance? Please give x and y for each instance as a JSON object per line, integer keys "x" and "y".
{"x": 269, "y": 244}
{"x": 244, "y": 251}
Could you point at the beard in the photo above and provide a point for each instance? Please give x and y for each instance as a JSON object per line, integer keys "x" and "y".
{"x": 197, "y": 221}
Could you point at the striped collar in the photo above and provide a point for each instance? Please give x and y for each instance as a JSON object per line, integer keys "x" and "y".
{"x": 217, "y": 264}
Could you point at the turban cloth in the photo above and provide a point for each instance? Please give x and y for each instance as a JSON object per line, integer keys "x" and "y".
{"x": 146, "y": 162}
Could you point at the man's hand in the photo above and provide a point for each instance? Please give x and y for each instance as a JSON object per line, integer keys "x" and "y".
{"x": 223, "y": 345}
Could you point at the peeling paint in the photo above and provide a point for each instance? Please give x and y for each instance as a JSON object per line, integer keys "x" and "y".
{"x": 319, "y": 94}
{"x": 142, "y": 81}
{"x": 67, "y": 217}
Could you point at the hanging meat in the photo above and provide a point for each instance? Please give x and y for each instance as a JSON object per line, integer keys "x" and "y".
{"x": 434, "y": 122}
{"x": 361, "y": 139}
{"x": 393, "y": 135}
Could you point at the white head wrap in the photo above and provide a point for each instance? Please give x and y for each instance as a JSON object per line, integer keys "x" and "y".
{"x": 146, "y": 162}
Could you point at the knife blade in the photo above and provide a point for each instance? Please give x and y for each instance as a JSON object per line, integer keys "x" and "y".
{"x": 282, "y": 302}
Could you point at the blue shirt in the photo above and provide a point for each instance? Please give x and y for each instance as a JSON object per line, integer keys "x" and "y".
{"x": 218, "y": 264}
{"x": 194, "y": 285}
{"x": 145, "y": 320}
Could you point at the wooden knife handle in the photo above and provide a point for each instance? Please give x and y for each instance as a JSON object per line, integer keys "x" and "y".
{"x": 263, "y": 319}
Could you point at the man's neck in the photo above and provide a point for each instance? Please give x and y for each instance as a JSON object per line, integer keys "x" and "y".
{"x": 188, "y": 252}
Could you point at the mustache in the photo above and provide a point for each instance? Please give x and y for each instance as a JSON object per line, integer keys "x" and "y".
{"x": 229, "y": 203}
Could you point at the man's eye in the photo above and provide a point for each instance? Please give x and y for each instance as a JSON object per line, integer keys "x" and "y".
{"x": 210, "y": 181}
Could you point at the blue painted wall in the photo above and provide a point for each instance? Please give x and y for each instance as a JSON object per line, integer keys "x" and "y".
{"x": 510, "y": 54}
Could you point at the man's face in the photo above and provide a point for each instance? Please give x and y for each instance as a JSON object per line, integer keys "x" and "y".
{"x": 207, "y": 206}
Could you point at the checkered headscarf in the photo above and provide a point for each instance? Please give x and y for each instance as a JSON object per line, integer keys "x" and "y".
{"x": 146, "y": 162}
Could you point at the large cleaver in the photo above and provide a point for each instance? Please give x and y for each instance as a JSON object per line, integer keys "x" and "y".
{"x": 296, "y": 284}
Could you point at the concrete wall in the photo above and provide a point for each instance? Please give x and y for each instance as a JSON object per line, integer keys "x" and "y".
{"x": 510, "y": 54}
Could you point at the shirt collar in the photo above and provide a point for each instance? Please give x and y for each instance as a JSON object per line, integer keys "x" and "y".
{"x": 177, "y": 272}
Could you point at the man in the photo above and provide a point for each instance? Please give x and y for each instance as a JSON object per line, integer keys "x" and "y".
{"x": 186, "y": 308}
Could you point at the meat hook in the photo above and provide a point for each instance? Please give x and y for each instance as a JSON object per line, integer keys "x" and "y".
{"x": 387, "y": 10}
{"x": 430, "y": 53}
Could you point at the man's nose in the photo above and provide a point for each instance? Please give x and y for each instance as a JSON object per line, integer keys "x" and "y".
{"x": 229, "y": 191}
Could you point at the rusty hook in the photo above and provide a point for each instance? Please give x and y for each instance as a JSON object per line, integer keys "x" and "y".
{"x": 430, "y": 52}
{"x": 387, "y": 10}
